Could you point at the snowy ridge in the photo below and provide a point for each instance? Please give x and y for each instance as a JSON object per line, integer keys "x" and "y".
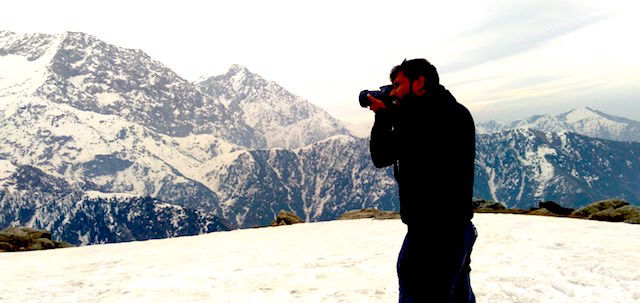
{"x": 24, "y": 61}
{"x": 91, "y": 75}
{"x": 584, "y": 120}
{"x": 94, "y": 195}
{"x": 283, "y": 119}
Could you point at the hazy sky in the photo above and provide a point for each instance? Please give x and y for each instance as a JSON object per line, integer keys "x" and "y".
{"x": 502, "y": 59}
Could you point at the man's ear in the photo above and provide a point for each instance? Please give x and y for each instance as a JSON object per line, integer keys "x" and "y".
{"x": 418, "y": 86}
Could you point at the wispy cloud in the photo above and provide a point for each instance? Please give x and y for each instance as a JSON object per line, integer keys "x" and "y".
{"x": 517, "y": 27}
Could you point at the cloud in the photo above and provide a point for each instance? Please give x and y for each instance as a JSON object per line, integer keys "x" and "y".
{"x": 517, "y": 27}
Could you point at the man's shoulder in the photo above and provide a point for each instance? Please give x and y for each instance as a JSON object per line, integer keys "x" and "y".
{"x": 463, "y": 110}
{"x": 456, "y": 107}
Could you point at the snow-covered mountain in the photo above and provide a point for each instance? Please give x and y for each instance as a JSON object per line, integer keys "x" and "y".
{"x": 113, "y": 120}
{"x": 108, "y": 154}
{"x": 31, "y": 197}
{"x": 319, "y": 182}
{"x": 88, "y": 74}
{"x": 522, "y": 167}
{"x": 584, "y": 120}
{"x": 283, "y": 119}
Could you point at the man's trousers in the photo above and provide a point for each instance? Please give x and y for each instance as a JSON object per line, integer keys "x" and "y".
{"x": 436, "y": 268}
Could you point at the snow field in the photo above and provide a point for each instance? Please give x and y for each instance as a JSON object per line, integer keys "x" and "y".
{"x": 516, "y": 259}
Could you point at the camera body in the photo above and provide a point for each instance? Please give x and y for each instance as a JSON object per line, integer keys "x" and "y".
{"x": 384, "y": 95}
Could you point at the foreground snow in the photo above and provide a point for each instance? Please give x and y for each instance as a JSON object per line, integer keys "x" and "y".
{"x": 516, "y": 259}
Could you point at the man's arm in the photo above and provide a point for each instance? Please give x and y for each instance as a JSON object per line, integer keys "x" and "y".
{"x": 384, "y": 138}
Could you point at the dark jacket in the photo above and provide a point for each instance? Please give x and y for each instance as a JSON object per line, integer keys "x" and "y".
{"x": 430, "y": 140}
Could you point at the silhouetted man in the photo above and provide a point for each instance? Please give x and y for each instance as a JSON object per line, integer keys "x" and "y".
{"x": 429, "y": 138}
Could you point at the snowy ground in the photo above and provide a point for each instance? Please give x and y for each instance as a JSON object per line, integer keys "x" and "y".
{"x": 516, "y": 259}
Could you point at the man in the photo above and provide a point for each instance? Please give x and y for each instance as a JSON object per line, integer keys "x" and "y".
{"x": 430, "y": 139}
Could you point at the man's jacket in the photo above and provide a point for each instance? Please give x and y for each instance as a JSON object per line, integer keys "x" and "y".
{"x": 430, "y": 140}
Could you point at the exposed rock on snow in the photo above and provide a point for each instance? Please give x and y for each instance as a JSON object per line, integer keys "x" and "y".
{"x": 610, "y": 210}
{"x": 24, "y": 239}
{"x": 370, "y": 213}
{"x": 483, "y": 205}
{"x": 556, "y": 208}
{"x": 286, "y": 218}
{"x": 595, "y": 207}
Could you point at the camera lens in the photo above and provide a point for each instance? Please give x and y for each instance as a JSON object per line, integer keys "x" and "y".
{"x": 364, "y": 100}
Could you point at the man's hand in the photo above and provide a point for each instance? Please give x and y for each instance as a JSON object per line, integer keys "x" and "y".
{"x": 375, "y": 104}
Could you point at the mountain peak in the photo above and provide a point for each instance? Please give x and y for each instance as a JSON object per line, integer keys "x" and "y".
{"x": 236, "y": 71}
{"x": 581, "y": 113}
{"x": 237, "y": 68}
{"x": 238, "y": 76}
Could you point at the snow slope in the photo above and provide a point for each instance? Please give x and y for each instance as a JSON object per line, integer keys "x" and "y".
{"x": 516, "y": 259}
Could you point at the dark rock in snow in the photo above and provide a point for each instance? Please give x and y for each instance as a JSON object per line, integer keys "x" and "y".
{"x": 286, "y": 218}
{"x": 484, "y": 205}
{"x": 608, "y": 214}
{"x": 369, "y": 213}
{"x": 25, "y": 239}
{"x": 587, "y": 211}
{"x": 556, "y": 208}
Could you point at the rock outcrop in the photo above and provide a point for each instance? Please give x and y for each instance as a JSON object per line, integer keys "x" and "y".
{"x": 481, "y": 205}
{"x": 369, "y": 213}
{"x": 609, "y": 210}
{"x": 286, "y": 218}
{"x": 543, "y": 212}
{"x": 556, "y": 208}
{"x": 593, "y": 208}
{"x": 25, "y": 239}
{"x": 550, "y": 208}
{"x": 612, "y": 210}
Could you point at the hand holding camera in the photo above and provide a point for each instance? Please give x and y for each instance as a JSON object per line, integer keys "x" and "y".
{"x": 377, "y": 99}
{"x": 375, "y": 104}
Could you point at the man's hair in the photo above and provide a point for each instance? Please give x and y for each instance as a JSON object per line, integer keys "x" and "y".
{"x": 414, "y": 68}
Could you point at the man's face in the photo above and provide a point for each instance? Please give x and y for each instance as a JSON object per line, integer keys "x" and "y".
{"x": 401, "y": 86}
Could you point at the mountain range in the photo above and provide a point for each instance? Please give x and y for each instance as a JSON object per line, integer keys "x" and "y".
{"x": 585, "y": 121}
{"x": 87, "y": 128}
{"x": 522, "y": 167}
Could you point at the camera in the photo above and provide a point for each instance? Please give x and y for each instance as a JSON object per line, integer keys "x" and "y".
{"x": 384, "y": 95}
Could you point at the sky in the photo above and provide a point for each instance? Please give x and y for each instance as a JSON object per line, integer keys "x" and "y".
{"x": 504, "y": 60}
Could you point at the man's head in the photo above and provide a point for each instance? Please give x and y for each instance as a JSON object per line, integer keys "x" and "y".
{"x": 413, "y": 77}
